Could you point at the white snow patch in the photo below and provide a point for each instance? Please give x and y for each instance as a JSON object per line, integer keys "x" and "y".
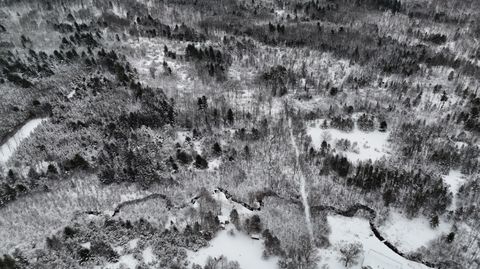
{"x": 454, "y": 180}
{"x": 410, "y": 234}
{"x": 148, "y": 256}
{"x": 125, "y": 261}
{"x": 119, "y": 249}
{"x": 214, "y": 164}
{"x": 9, "y": 147}
{"x": 376, "y": 254}
{"x": 227, "y": 206}
{"x": 133, "y": 243}
{"x": 371, "y": 145}
{"x": 71, "y": 94}
{"x": 182, "y": 135}
{"x": 171, "y": 220}
{"x": 197, "y": 146}
{"x": 129, "y": 196}
{"x": 238, "y": 247}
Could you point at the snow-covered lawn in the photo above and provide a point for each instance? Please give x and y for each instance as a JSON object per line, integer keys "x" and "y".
{"x": 238, "y": 247}
{"x": 454, "y": 180}
{"x": 410, "y": 234}
{"x": 375, "y": 253}
{"x": 9, "y": 147}
{"x": 370, "y": 145}
{"x": 214, "y": 164}
{"x": 148, "y": 256}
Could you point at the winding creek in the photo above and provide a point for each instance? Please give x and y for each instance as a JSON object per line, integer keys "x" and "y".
{"x": 349, "y": 212}
{"x": 9, "y": 147}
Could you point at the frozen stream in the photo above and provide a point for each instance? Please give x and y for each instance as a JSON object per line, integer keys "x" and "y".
{"x": 9, "y": 147}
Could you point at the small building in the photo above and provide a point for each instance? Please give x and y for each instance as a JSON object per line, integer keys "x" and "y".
{"x": 255, "y": 236}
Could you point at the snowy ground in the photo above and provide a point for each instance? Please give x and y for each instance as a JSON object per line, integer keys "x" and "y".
{"x": 454, "y": 180}
{"x": 375, "y": 253}
{"x": 370, "y": 145}
{"x": 238, "y": 247}
{"x": 9, "y": 147}
{"x": 410, "y": 234}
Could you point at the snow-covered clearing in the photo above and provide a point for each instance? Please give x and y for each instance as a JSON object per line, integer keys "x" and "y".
{"x": 237, "y": 247}
{"x": 71, "y": 94}
{"x": 454, "y": 180}
{"x": 181, "y": 138}
{"x": 228, "y": 205}
{"x": 214, "y": 164}
{"x": 148, "y": 256}
{"x": 369, "y": 145}
{"x": 9, "y": 147}
{"x": 410, "y": 234}
{"x": 86, "y": 245}
{"x": 375, "y": 253}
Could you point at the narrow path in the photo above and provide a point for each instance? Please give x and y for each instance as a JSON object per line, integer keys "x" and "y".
{"x": 14, "y": 140}
{"x": 301, "y": 177}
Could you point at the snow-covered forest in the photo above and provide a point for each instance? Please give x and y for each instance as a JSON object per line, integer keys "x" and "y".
{"x": 253, "y": 134}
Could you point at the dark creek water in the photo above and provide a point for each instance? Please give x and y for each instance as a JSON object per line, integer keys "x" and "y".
{"x": 348, "y": 212}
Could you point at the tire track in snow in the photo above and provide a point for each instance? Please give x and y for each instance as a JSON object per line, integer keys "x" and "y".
{"x": 301, "y": 176}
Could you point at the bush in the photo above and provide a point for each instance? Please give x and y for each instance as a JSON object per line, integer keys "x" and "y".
{"x": 200, "y": 162}
{"x": 184, "y": 157}
{"x": 77, "y": 162}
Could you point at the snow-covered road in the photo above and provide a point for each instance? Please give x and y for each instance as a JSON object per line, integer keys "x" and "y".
{"x": 9, "y": 147}
{"x": 301, "y": 177}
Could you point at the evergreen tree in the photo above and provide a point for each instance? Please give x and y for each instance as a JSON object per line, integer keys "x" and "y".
{"x": 200, "y": 162}
{"x": 434, "y": 221}
{"x": 230, "y": 118}
{"x": 217, "y": 150}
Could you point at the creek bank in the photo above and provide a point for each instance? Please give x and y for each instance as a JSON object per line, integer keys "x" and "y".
{"x": 348, "y": 212}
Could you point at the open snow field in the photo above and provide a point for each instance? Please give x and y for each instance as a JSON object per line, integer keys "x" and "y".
{"x": 370, "y": 145}
{"x": 455, "y": 179}
{"x": 410, "y": 234}
{"x": 375, "y": 253}
{"x": 9, "y": 147}
{"x": 238, "y": 247}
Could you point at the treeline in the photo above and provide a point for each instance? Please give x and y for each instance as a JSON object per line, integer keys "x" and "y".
{"x": 363, "y": 45}
{"x": 468, "y": 200}
{"x": 127, "y": 154}
{"x": 319, "y": 10}
{"x": 279, "y": 78}
{"x": 214, "y": 61}
{"x": 147, "y": 26}
{"x": 67, "y": 246}
{"x": 414, "y": 191}
{"x": 15, "y": 185}
{"x": 20, "y": 71}
{"x": 419, "y": 140}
